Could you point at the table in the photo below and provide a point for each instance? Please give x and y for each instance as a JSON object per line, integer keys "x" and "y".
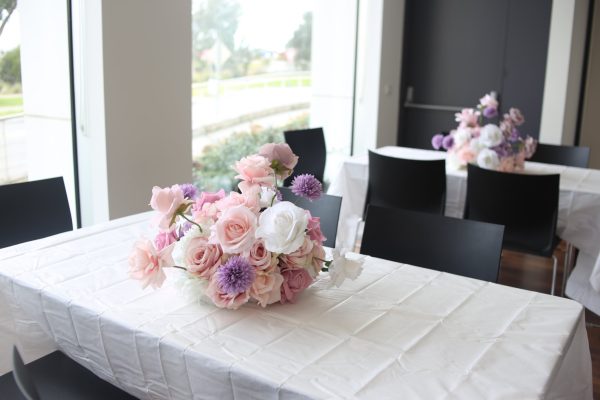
{"x": 578, "y": 218}
{"x": 398, "y": 331}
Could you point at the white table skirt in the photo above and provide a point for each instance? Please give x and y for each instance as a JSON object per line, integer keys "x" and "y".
{"x": 578, "y": 219}
{"x": 398, "y": 331}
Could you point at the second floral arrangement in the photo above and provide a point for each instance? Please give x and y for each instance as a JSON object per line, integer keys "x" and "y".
{"x": 493, "y": 146}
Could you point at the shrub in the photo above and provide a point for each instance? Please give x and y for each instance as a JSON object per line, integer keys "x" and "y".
{"x": 213, "y": 169}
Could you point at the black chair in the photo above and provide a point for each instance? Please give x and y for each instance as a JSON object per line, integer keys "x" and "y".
{"x": 327, "y": 207}
{"x": 527, "y": 205}
{"x": 418, "y": 185}
{"x": 457, "y": 246}
{"x": 33, "y": 210}
{"x": 309, "y": 146}
{"x": 572, "y": 156}
{"x": 58, "y": 377}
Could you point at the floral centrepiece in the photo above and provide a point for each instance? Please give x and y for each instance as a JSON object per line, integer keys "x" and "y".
{"x": 242, "y": 246}
{"x": 492, "y": 146}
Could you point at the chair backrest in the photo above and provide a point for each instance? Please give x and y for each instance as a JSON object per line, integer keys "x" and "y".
{"x": 457, "y": 246}
{"x": 572, "y": 156}
{"x": 527, "y": 205}
{"x": 33, "y": 210}
{"x": 327, "y": 208}
{"x": 418, "y": 185}
{"x": 309, "y": 146}
{"x": 23, "y": 378}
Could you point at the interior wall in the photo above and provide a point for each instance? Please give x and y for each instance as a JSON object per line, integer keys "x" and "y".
{"x": 590, "y": 123}
{"x": 564, "y": 67}
{"x": 134, "y": 112}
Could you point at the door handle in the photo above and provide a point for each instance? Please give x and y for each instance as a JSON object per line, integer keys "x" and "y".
{"x": 408, "y": 103}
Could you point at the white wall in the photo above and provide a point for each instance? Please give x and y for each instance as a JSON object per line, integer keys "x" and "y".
{"x": 564, "y": 71}
{"x": 135, "y": 112}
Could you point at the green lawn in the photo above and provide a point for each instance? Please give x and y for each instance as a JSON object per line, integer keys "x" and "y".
{"x": 11, "y": 104}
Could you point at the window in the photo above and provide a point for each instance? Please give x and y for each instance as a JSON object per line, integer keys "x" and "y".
{"x": 35, "y": 113}
{"x": 261, "y": 67}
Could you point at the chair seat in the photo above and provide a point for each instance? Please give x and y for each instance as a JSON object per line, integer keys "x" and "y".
{"x": 56, "y": 376}
{"x": 519, "y": 241}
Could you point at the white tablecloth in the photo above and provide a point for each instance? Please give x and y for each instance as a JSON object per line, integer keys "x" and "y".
{"x": 578, "y": 219}
{"x": 398, "y": 331}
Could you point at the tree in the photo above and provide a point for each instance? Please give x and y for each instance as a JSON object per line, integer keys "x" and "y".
{"x": 216, "y": 19}
{"x": 10, "y": 66}
{"x": 7, "y": 7}
{"x": 301, "y": 41}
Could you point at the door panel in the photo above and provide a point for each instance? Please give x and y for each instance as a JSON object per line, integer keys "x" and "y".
{"x": 457, "y": 50}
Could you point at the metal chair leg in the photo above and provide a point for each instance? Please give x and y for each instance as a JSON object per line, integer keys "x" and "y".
{"x": 555, "y": 263}
{"x": 569, "y": 256}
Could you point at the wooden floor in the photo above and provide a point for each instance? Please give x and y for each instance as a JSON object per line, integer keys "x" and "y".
{"x": 535, "y": 273}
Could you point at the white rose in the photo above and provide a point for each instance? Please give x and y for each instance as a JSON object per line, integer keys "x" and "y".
{"x": 488, "y": 159}
{"x": 461, "y": 136}
{"x": 490, "y": 135}
{"x": 476, "y": 145}
{"x": 283, "y": 227}
{"x": 267, "y": 196}
{"x": 343, "y": 268}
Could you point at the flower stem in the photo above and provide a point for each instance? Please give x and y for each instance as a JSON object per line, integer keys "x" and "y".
{"x": 178, "y": 267}
{"x": 190, "y": 221}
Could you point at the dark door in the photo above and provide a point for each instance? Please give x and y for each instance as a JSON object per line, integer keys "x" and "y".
{"x": 455, "y": 51}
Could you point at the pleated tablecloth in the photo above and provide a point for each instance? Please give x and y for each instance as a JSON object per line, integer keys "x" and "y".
{"x": 397, "y": 332}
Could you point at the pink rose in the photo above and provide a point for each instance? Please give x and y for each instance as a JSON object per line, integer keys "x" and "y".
{"x": 208, "y": 198}
{"x": 467, "y": 117}
{"x": 507, "y": 164}
{"x": 294, "y": 282}
{"x": 282, "y": 158}
{"x": 266, "y": 288}
{"x": 234, "y": 230}
{"x": 146, "y": 263}
{"x": 201, "y": 257}
{"x": 163, "y": 239}
{"x": 314, "y": 229}
{"x": 259, "y": 257}
{"x": 466, "y": 154}
{"x": 224, "y": 300}
{"x": 251, "y": 193}
{"x": 255, "y": 169}
{"x": 167, "y": 201}
{"x": 301, "y": 257}
{"x": 516, "y": 116}
{"x": 236, "y": 199}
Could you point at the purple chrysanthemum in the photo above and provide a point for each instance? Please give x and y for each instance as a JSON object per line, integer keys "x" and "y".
{"x": 235, "y": 276}
{"x": 490, "y": 112}
{"x": 436, "y": 141}
{"x": 448, "y": 142}
{"x": 307, "y": 186}
{"x": 189, "y": 190}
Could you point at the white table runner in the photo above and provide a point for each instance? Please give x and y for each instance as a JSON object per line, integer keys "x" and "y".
{"x": 578, "y": 218}
{"x": 398, "y": 331}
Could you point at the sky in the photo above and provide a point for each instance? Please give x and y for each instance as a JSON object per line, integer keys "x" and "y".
{"x": 264, "y": 24}
{"x": 268, "y": 24}
{"x": 11, "y": 36}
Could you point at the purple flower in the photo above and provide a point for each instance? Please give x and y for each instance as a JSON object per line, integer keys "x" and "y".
{"x": 448, "y": 142}
{"x": 235, "y": 276}
{"x": 307, "y": 186}
{"x": 189, "y": 190}
{"x": 436, "y": 141}
{"x": 490, "y": 112}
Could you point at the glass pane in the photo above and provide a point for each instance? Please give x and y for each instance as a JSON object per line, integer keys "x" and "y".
{"x": 35, "y": 114}
{"x": 254, "y": 77}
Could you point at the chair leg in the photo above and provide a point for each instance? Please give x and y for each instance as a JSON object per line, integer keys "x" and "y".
{"x": 569, "y": 256}
{"x": 555, "y": 263}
